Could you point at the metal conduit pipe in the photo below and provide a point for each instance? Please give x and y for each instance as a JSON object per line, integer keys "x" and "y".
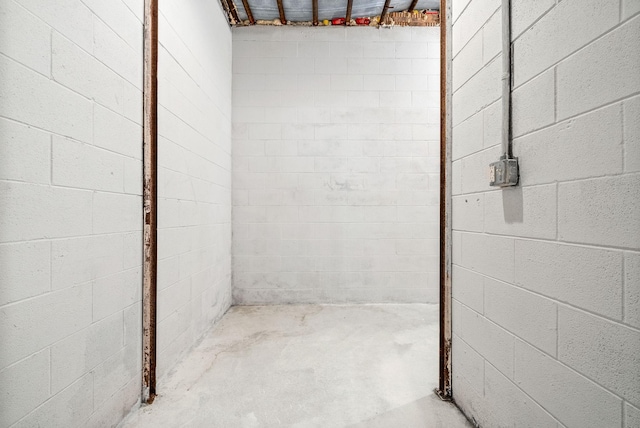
{"x": 506, "y": 79}
{"x": 505, "y": 172}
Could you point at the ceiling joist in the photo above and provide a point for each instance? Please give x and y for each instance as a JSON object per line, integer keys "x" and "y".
{"x": 315, "y": 13}
{"x": 283, "y": 18}
{"x": 247, "y": 9}
{"x": 348, "y": 15}
{"x": 385, "y": 10}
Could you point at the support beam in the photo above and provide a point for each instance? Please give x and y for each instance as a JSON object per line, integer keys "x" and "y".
{"x": 315, "y": 12}
{"x": 247, "y": 9}
{"x": 150, "y": 198}
{"x": 444, "y": 385}
{"x": 413, "y": 5}
{"x": 385, "y": 10}
{"x": 283, "y": 18}
{"x": 348, "y": 14}
{"x": 234, "y": 12}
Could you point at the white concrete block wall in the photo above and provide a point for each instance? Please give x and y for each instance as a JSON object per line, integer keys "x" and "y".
{"x": 194, "y": 156}
{"x": 70, "y": 211}
{"x": 545, "y": 279}
{"x": 336, "y": 164}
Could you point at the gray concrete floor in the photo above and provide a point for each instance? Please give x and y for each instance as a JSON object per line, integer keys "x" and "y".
{"x": 309, "y": 366}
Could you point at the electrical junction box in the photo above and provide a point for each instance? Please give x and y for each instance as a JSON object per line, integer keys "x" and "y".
{"x": 504, "y": 173}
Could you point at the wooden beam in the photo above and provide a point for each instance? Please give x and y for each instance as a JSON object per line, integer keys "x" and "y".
{"x": 283, "y": 18}
{"x": 348, "y": 15}
{"x": 413, "y": 5}
{"x": 247, "y": 9}
{"x": 385, "y": 10}
{"x": 150, "y": 198}
{"x": 225, "y": 6}
{"x": 315, "y": 12}
{"x": 234, "y": 11}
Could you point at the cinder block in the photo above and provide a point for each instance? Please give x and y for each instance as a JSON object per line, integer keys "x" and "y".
{"x": 492, "y": 37}
{"x": 469, "y": 22}
{"x": 522, "y": 211}
{"x": 37, "y": 212}
{"x": 468, "y": 137}
{"x": 468, "y": 212}
{"x": 266, "y": 131}
{"x": 602, "y": 350}
{"x": 29, "y": 97}
{"x": 71, "y": 18}
{"x": 509, "y": 405}
{"x": 81, "y": 166}
{"x": 534, "y": 104}
{"x": 468, "y": 288}
{"x": 25, "y": 270}
{"x": 24, "y": 386}
{"x": 530, "y": 317}
{"x": 113, "y": 293}
{"x": 113, "y": 51}
{"x": 78, "y": 260}
{"x": 603, "y": 72}
{"x": 548, "y": 381}
{"x": 105, "y": 205}
{"x": 468, "y": 61}
{"x": 560, "y": 33}
{"x": 602, "y": 211}
{"x": 596, "y": 136}
{"x": 572, "y": 274}
{"x": 492, "y": 342}
{"x": 25, "y": 153}
{"x": 631, "y": 111}
{"x": 379, "y": 82}
{"x": 77, "y": 354}
{"x": 632, "y": 416}
{"x": 524, "y": 14}
{"x": 477, "y": 93}
{"x": 116, "y": 133}
{"x": 632, "y": 289}
{"x": 629, "y": 8}
{"x": 38, "y": 322}
{"x": 489, "y": 255}
{"x": 31, "y": 48}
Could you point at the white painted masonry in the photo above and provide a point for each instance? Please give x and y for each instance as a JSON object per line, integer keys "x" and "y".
{"x": 70, "y": 211}
{"x": 336, "y": 164}
{"x": 546, "y": 277}
{"x": 194, "y": 175}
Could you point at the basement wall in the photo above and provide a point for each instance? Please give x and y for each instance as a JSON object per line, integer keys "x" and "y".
{"x": 194, "y": 156}
{"x": 336, "y": 165}
{"x": 546, "y": 276}
{"x": 70, "y": 211}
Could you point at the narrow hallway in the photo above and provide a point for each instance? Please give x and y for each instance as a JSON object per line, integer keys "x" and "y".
{"x": 309, "y": 365}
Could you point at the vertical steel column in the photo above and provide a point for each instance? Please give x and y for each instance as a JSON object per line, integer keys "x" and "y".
{"x": 444, "y": 385}
{"x": 150, "y": 195}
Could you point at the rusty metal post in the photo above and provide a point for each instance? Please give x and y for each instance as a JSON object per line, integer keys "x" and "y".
{"x": 444, "y": 385}
{"x": 150, "y": 196}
